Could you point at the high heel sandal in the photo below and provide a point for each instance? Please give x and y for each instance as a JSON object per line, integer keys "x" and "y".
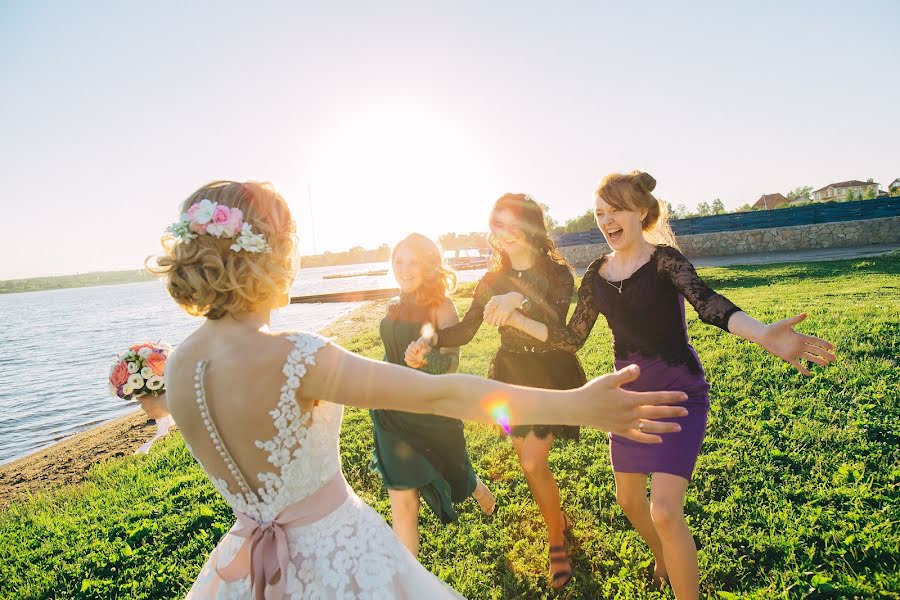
{"x": 560, "y": 578}
{"x": 567, "y": 528}
{"x": 485, "y": 499}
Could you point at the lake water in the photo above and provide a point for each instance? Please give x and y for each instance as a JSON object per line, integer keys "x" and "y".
{"x": 56, "y": 347}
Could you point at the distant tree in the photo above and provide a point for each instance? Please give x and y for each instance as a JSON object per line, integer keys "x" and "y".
{"x": 852, "y": 196}
{"x": 583, "y": 222}
{"x": 549, "y": 222}
{"x": 704, "y": 209}
{"x": 680, "y": 212}
{"x": 895, "y": 192}
{"x": 799, "y": 192}
{"x": 870, "y": 194}
{"x": 455, "y": 241}
{"x": 447, "y": 241}
{"x": 744, "y": 208}
{"x": 718, "y": 207}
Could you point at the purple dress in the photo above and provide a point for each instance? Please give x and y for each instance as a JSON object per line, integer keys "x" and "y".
{"x": 649, "y": 329}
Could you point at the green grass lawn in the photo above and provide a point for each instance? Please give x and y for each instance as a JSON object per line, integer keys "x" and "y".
{"x": 795, "y": 493}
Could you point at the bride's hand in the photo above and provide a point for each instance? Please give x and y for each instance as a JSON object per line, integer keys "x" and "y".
{"x": 630, "y": 414}
{"x": 780, "y": 339}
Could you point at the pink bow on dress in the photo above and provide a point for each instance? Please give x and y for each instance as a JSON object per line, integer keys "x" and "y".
{"x": 264, "y": 555}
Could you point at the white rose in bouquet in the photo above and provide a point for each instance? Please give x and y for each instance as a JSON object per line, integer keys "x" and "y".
{"x": 154, "y": 383}
{"x": 144, "y": 352}
{"x": 146, "y": 372}
{"x": 127, "y": 390}
{"x": 136, "y": 381}
{"x": 133, "y": 367}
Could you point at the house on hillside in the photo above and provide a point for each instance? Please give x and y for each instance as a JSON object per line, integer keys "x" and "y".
{"x": 844, "y": 189}
{"x": 894, "y": 185}
{"x": 767, "y": 201}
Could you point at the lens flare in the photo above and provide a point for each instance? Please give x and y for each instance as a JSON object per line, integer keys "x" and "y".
{"x": 500, "y": 413}
{"x": 427, "y": 330}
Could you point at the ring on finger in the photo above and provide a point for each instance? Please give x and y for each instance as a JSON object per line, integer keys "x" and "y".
{"x": 640, "y": 425}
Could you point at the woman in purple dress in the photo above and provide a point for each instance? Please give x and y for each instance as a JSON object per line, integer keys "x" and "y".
{"x": 640, "y": 288}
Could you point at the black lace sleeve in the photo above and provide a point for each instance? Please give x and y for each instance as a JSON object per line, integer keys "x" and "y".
{"x": 463, "y": 332}
{"x": 713, "y": 308}
{"x": 572, "y": 337}
{"x": 554, "y": 306}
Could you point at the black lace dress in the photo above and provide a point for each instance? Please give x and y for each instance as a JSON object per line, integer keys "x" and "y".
{"x": 646, "y": 315}
{"x": 522, "y": 359}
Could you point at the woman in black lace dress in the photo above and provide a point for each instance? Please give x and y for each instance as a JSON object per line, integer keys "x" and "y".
{"x": 640, "y": 288}
{"x": 525, "y": 261}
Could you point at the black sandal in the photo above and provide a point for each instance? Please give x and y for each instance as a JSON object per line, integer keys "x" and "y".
{"x": 560, "y": 578}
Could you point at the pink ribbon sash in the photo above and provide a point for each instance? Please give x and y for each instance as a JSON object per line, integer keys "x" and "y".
{"x": 264, "y": 555}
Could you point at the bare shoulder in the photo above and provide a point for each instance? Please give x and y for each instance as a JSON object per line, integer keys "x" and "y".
{"x": 446, "y": 314}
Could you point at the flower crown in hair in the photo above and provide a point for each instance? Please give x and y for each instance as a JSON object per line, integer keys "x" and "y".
{"x": 211, "y": 218}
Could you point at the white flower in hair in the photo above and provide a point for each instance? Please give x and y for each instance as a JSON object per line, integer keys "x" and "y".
{"x": 202, "y": 212}
{"x": 250, "y": 242}
{"x": 182, "y": 229}
{"x": 211, "y": 218}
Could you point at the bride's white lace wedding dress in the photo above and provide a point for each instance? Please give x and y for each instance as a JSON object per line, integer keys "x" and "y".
{"x": 304, "y": 533}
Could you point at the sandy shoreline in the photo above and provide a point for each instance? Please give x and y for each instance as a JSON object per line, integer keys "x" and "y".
{"x": 69, "y": 460}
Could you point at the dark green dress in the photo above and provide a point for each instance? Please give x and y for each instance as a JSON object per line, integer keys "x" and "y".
{"x": 416, "y": 451}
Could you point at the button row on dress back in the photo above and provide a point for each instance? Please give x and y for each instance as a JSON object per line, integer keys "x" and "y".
{"x": 214, "y": 432}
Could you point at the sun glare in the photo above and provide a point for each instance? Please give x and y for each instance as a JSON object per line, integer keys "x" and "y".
{"x": 388, "y": 172}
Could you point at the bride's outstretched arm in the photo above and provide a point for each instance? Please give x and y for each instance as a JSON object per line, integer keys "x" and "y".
{"x": 346, "y": 378}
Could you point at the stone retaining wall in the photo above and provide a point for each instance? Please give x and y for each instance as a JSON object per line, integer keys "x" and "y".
{"x": 800, "y": 237}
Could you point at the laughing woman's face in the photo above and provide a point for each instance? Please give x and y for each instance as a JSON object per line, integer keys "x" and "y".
{"x": 620, "y": 227}
{"x": 507, "y": 231}
{"x": 408, "y": 269}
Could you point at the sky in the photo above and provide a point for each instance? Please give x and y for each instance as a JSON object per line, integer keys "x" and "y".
{"x": 379, "y": 119}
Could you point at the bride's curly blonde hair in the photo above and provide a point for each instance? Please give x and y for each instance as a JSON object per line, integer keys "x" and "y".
{"x": 210, "y": 280}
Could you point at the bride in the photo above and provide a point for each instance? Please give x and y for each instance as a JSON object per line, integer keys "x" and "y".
{"x": 261, "y": 412}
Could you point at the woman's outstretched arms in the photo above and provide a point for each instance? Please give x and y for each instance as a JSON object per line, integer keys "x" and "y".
{"x": 779, "y": 338}
{"x": 343, "y": 377}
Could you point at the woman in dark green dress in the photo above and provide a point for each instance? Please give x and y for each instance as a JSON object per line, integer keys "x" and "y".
{"x": 422, "y": 455}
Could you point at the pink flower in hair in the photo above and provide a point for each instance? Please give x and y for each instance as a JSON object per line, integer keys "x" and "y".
{"x": 221, "y": 215}
{"x": 235, "y": 221}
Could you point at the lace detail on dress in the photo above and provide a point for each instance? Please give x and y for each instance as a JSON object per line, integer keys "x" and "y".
{"x": 647, "y": 316}
{"x": 304, "y": 448}
{"x": 548, "y": 286}
{"x": 572, "y": 337}
{"x": 712, "y": 308}
{"x": 350, "y": 552}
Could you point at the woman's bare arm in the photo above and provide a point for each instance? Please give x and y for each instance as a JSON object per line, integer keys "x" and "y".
{"x": 343, "y": 377}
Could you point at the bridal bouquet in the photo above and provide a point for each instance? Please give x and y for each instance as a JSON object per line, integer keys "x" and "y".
{"x": 139, "y": 371}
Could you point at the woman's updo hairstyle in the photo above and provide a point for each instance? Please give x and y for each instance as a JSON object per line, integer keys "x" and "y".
{"x": 209, "y": 279}
{"x": 634, "y": 192}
